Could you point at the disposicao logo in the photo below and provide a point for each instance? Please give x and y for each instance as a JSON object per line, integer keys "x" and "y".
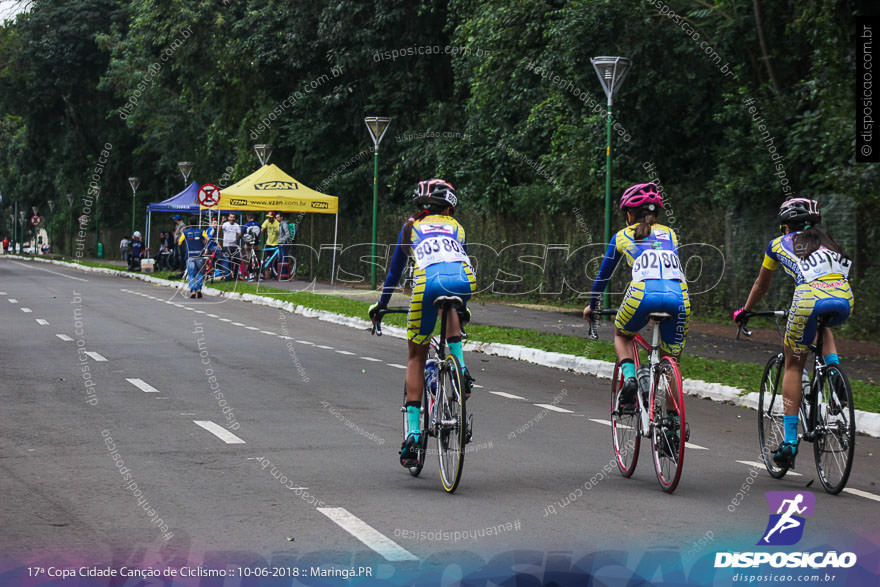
{"x": 785, "y": 528}
{"x": 786, "y": 524}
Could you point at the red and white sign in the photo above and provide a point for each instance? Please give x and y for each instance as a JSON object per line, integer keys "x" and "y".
{"x": 83, "y": 220}
{"x": 209, "y": 195}
{"x": 36, "y": 220}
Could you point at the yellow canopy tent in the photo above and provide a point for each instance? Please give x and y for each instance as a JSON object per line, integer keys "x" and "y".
{"x": 270, "y": 189}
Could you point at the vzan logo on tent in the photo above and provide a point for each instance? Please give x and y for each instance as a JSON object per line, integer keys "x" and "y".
{"x": 237, "y": 202}
{"x": 321, "y": 205}
{"x": 276, "y": 185}
{"x": 785, "y": 528}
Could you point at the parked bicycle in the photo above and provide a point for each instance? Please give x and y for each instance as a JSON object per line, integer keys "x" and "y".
{"x": 658, "y": 414}
{"x": 444, "y": 403}
{"x": 826, "y": 411}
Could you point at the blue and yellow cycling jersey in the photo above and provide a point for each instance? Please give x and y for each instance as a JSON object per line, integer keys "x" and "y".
{"x": 653, "y": 257}
{"x": 821, "y": 289}
{"x": 439, "y": 249}
{"x": 823, "y": 264}
{"x": 658, "y": 284}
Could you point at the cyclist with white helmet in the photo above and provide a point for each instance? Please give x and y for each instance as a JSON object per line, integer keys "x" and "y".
{"x": 437, "y": 243}
{"x": 658, "y": 283}
{"x": 820, "y": 268}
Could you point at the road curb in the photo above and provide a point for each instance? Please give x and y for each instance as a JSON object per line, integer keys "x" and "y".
{"x": 866, "y": 422}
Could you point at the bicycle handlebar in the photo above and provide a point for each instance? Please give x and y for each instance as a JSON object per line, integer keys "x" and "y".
{"x": 594, "y": 324}
{"x": 746, "y": 316}
{"x": 380, "y": 313}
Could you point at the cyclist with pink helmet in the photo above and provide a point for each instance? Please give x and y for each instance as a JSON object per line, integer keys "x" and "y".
{"x": 658, "y": 283}
{"x": 820, "y": 268}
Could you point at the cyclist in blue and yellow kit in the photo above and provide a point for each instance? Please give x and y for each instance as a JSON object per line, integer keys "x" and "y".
{"x": 658, "y": 283}
{"x": 820, "y": 268}
{"x": 437, "y": 243}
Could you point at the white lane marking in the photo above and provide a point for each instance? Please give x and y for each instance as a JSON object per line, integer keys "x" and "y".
{"x": 13, "y": 301}
{"x": 143, "y": 385}
{"x": 371, "y": 537}
{"x": 224, "y": 320}
{"x": 26, "y": 310}
{"x": 324, "y": 346}
{"x": 251, "y": 327}
{"x": 396, "y": 366}
{"x": 2, "y": 293}
{"x": 861, "y": 493}
{"x": 372, "y": 359}
{"x": 695, "y": 446}
{"x": 267, "y": 332}
{"x": 199, "y": 311}
{"x": 52, "y": 272}
{"x": 305, "y": 342}
{"x": 477, "y": 386}
{"x": 42, "y": 322}
{"x": 344, "y": 353}
{"x": 761, "y": 466}
{"x": 553, "y": 408}
{"x": 97, "y": 356}
{"x": 213, "y": 316}
{"x": 64, "y": 337}
{"x": 608, "y": 423}
{"x": 507, "y": 395}
{"x": 237, "y": 324}
{"x": 219, "y": 431}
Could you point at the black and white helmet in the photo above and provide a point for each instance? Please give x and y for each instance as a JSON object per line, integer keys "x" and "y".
{"x": 435, "y": 191}
{"x": 796, "y": 212}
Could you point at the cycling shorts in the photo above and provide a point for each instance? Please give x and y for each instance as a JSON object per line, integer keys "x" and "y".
{"x": 439, "y": 279}
{"x": 657, "y": 295}
{"x": 811, "y": 300}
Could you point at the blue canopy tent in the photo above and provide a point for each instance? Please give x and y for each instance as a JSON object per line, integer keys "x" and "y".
{"x": 183, "y": 203}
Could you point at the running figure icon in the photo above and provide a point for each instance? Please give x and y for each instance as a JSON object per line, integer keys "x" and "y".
{"x": 787, "y": 511}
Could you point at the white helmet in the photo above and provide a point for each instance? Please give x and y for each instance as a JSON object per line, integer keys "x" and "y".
{"x": 137, "y": 234}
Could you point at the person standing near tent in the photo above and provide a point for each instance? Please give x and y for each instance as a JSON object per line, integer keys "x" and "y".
{"x": 179, "y": 253}
{"x": 270, "y": 229}
{"x": 193, "y": 241}
{"x": 231, "y": 232}
{"x": 283, "y": 237}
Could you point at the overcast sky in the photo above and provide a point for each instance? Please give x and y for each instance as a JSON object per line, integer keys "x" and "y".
{"x": 8, "y": 8}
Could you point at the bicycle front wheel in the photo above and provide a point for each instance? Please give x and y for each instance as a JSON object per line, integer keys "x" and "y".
{"x": 835, "y": 432}
{"x": 450, "y": 424}
{"x": 669, "y": 425}
{"x": 625, "y": 432}
{"x": 771, "y": 425}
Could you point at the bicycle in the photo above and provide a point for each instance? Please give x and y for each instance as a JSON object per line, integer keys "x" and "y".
{"x": 659, "y": 413}
{"x": 826, "y": 412}
{"x": 444, "y": 410}
{"x": 269, "y": 266}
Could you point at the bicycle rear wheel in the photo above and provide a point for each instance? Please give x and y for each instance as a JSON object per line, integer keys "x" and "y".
{"x": 423, "y": 445}
{"x": 450, "y": 424}
{"x": 669, "y": 424}
{"x": 835, "y": 431}
{"x": 771, "y": 426}
{"x": 625, "y": 430}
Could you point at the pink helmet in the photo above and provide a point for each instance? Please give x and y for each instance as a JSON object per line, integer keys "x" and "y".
{"x": 641, "y": 194}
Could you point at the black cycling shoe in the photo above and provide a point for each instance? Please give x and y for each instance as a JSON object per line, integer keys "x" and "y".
{"x": 468, "y": 383}
{"x": 626, "y": 397}
{"x": 409, "y": 450}
{"x": 785, "y": 454}
{"x": 671, "y": 427}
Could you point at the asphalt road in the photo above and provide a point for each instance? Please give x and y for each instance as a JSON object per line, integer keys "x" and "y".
{"x": 297, "y": 461}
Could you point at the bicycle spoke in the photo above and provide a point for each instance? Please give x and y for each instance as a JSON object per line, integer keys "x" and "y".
{"x": 771, "y": 425}
{"x": 834, "y": 445}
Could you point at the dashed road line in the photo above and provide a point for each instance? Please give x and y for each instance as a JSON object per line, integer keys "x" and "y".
{"x": 143, "y": 385}
{"x": 762, "y": 466}
{"x": 96, "y": 356}
{"x": 50, "y": 271}
{"x": 344, "y": 352}
{"x": 251, "y": 327}
{"x": 371, "y": 537}
{"x": 26, "y": 310}
{"x": 507, "y": 395}
{"x": 237, "y": 324}
{"x": 267, "y": 332}
{"x": 324, "y": 346}
{"x": 553, "y": 408}
{"x": 219, "y": 431}
{"x": 42, "y": 322}
{"x": 13, "y": 301}
{"x": 64, "y": 337}
{"x": 372, "y": 359}
{"x": 305, "y": 342}
{"x": 861, "y": 493}
{"x": 396, "y": 366}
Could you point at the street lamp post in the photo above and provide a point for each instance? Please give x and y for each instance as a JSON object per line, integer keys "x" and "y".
{"x": 186, "y": 168}
{"x": 36, "y": 228}
{"x": 21, "y": 215}
{"x": 612, "y": 72}
{"x": 377, "y": 125}
{"x": 51, "y": 218}
{"x": 99, "y": 249}
{"x": 134, "y": 182}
